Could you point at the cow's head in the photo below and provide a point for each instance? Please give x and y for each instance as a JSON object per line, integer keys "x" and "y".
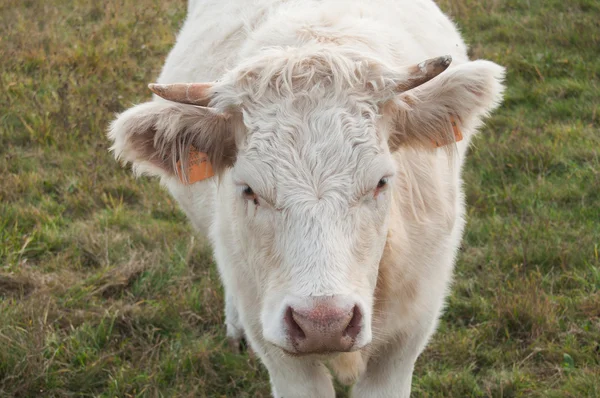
{"x": 308, "y": 139}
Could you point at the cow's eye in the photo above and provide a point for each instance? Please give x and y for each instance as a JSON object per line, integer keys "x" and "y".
{"x": 249, "y": 194}
{"x": 381, "y": 185}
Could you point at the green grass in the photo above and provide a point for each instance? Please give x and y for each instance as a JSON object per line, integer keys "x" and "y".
{"x": 104, "y": 291}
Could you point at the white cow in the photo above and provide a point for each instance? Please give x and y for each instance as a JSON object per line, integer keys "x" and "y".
{"x": 336, "y": 210}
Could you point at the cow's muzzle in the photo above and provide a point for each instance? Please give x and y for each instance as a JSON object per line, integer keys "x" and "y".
{"x": 319, "y": 325}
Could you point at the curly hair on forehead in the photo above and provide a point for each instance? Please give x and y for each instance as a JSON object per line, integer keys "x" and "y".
{"x": 293, "y": 70}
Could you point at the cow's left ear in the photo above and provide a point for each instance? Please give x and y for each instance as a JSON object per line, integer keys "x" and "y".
{"x": 422, "y": 116}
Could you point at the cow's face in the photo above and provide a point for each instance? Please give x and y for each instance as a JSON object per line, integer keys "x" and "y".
{"x": 313, "y": 179}
{"x": 308, "y": 151}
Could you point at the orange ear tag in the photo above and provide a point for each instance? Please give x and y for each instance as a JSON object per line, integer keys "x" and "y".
{"x": 199, "y": 168}
{"x": 457, "y": 133}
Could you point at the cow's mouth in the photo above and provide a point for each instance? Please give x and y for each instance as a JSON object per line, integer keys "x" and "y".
{"x": 317, "y": 354}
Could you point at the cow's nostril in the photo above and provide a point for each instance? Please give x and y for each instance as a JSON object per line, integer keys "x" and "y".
{"x": 353, "y": 328}
{"x": 294, "y": 330}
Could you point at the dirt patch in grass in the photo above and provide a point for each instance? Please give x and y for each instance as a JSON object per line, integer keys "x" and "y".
{"x": 14, "y": 286}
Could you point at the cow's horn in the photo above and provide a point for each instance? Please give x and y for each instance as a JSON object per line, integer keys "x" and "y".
{"x": 184, "y": 93}
{"x": 425, "y": 71}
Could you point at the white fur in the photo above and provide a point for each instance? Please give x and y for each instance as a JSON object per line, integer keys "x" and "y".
{"x": 313, "y": 82}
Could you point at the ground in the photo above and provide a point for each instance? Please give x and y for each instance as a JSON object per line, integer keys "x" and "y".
{"x": 104, "y": 291}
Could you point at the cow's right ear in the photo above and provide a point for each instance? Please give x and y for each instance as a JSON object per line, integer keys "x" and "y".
{"x": 156, "y": 135}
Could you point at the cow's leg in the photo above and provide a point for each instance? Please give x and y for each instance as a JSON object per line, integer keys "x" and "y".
{"x": 389, "y": 373}
{"x": 197, "y": 201}
{"x": 298, "y": 377}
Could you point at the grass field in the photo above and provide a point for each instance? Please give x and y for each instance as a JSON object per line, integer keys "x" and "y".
{"x": 104, "y": 291}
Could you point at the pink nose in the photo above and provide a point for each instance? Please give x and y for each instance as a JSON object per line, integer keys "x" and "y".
{"x": 323, "y": 327}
